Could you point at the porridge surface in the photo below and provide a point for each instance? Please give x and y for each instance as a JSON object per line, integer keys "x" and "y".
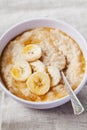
{"x": 53, "y": 51}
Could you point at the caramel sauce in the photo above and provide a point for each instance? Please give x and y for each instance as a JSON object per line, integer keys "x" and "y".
{"x": 31, "y": 40}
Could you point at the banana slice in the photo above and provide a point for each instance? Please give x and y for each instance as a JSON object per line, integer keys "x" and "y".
{"x": 37, "y": 66}
{"x": 21, "y": 71}
{"x": 31, "y": 52}
{"x": 54, "y": 75}
{"x": 39, "y": 83}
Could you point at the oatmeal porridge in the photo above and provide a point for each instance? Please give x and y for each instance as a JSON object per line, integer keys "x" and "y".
{"x": 31, "y": 64}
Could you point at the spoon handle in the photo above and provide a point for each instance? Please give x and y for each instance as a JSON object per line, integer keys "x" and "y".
{"x": 76, "y": 104}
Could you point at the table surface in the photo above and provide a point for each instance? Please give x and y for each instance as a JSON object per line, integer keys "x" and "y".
{"x": 14, "y": 115}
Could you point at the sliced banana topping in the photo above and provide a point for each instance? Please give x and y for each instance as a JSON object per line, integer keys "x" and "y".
{"x": 32, "y": 52}
{"x": 37, "y": 66}
{"x": 39, "y": 83}
{"x": 21, "y": 71}
{"x": 54, "y": 75}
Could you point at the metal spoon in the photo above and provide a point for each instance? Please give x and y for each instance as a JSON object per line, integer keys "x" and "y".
{"x": 76, "y": 104}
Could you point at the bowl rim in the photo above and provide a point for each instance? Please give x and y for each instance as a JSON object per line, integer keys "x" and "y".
{"x": 81, "y": 85}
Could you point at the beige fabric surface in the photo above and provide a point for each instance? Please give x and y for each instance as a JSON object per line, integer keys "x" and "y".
{"x": 14, "y": 115}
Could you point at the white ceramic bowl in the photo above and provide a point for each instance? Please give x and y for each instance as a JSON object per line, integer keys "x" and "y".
{"x": 30, "y": 24}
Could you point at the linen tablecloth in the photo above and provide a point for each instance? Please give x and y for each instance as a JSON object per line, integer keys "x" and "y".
{"x": 14, "y": 115}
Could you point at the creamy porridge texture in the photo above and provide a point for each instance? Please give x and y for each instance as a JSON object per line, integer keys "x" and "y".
{"x": 31, "y": 64}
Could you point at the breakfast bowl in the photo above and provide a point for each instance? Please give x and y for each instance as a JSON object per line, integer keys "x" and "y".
{"x": 22, "y": 27}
